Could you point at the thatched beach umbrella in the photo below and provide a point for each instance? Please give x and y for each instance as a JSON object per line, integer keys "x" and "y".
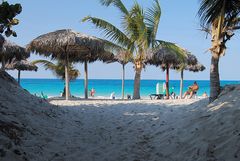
{"x": 10, "y": 51}
{"x": 22, "y": 65}
{"x": 167, "y": 55}
{"x": 68, "y": 45}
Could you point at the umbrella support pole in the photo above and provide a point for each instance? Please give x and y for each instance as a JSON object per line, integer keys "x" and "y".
{"x": 181, "y": 84}
{"x": 86, "y": 79}
{"x": 66, "y": 77}
{"x": 123, "y": 79}
{"x": 167, "y": 81}
{"x": 19, "y": 73}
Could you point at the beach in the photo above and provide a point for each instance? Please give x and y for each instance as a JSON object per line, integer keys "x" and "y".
{"x": 114, "y": 130}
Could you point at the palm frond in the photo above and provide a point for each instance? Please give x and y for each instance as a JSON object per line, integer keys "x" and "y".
{"x": 173, "y": 48}
{"x": 110, "y": 31}
{"x": 112, "y": 47}
{"x": 47, "y": 64}
{"x": 58, "y": 69}
{"x": 210, "y": 10}
{"x": 116, "y": 3}
{"x": 152, "y": 19}
{"x": 137, "y": 28}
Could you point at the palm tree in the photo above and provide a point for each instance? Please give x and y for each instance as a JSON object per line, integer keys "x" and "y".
{"x": 59, "y": 70}
{"x": 220, "y": 19}
{"x": 140, "y": 29}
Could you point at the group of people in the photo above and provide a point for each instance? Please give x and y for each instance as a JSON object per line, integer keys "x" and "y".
{"x": 191, "y": 91}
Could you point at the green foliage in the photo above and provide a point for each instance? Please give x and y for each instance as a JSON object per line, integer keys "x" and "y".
{"x": 210, "y": 10}
{"x": 139, "y": 27}
{"x": 59, "y": 69}
{"x": 7, "y": 20}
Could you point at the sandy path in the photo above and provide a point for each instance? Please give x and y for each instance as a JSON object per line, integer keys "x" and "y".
{"x": 131, "y": 130}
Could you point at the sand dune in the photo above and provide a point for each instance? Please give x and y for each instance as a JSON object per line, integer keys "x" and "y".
{"x": 144, "y": 130}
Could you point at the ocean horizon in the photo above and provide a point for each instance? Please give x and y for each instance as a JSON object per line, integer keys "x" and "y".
{"x": 104, "y": 87}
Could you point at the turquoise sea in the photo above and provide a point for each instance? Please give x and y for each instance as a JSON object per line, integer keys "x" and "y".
{"x": 104, "y": 87}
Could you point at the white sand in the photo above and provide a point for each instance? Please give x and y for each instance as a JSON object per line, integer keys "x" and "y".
{"x": 107, "y": 130}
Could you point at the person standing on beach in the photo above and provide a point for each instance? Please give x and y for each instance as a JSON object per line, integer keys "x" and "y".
{"x": 92, "y": 92}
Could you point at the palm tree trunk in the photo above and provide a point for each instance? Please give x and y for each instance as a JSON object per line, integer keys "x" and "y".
{"x": 19, "y": 73}
{"x": 66, "y": 77}
{"x": 123, "y": 79}
{"x": 137, "y": 79}
{"x": 181, "y": 84}
{"x": 3, "y": 63}
{"x": 214, "y": 78}
{"x": 86, "y": 79}
{"x": 167, "y": 81}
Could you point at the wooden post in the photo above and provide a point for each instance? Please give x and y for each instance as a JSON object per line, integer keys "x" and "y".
{"x": 167, "y": 81}
{"x": 123, "y": 79}
{"x": 66, "y": 77}
{"x": 19, "y": 73}
{"x": 181, "y": 84}
{"x": 86, "y": 79}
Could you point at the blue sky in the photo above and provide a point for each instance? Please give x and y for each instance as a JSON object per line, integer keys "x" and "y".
{"x": 179, "y": 23}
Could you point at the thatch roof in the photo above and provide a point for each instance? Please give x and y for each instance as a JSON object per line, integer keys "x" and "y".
{"x": 191, "y": 59}
{"x": 11, "y": 50}
{"x": 123, "y": 57}
{"x": 195, "y": 68}
{"x": 80, "y": 47}
{"x": 21, "y": 65}
{"x": 168, "y": 54}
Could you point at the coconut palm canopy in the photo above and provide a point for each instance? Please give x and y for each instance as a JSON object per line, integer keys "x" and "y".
{"x": 21, "y": 65}
{"x": 80, "y": 47}
{"x": 11, "y": 50}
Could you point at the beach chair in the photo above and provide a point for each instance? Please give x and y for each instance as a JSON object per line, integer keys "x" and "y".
{"x": 195, "y": 95}
{"x": 44, "y": 96}
{"x": 172, "y": 93}
{"x": 160, "y": 92}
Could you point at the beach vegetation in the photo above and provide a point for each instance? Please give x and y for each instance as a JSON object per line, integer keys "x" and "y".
{"x": 7, "y": 17}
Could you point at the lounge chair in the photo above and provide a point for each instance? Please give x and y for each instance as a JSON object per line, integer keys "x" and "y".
{"x": 160, "y": 92}
{"x": 44, "y": 96}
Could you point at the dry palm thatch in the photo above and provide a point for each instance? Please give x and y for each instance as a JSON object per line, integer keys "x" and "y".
{"x": 195, "y": 68}
{"x": 20, "y": 66}
{"x": 72, "y": 46}
{"x": 61, "y": 42}
{"x": 10, "y": 51}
